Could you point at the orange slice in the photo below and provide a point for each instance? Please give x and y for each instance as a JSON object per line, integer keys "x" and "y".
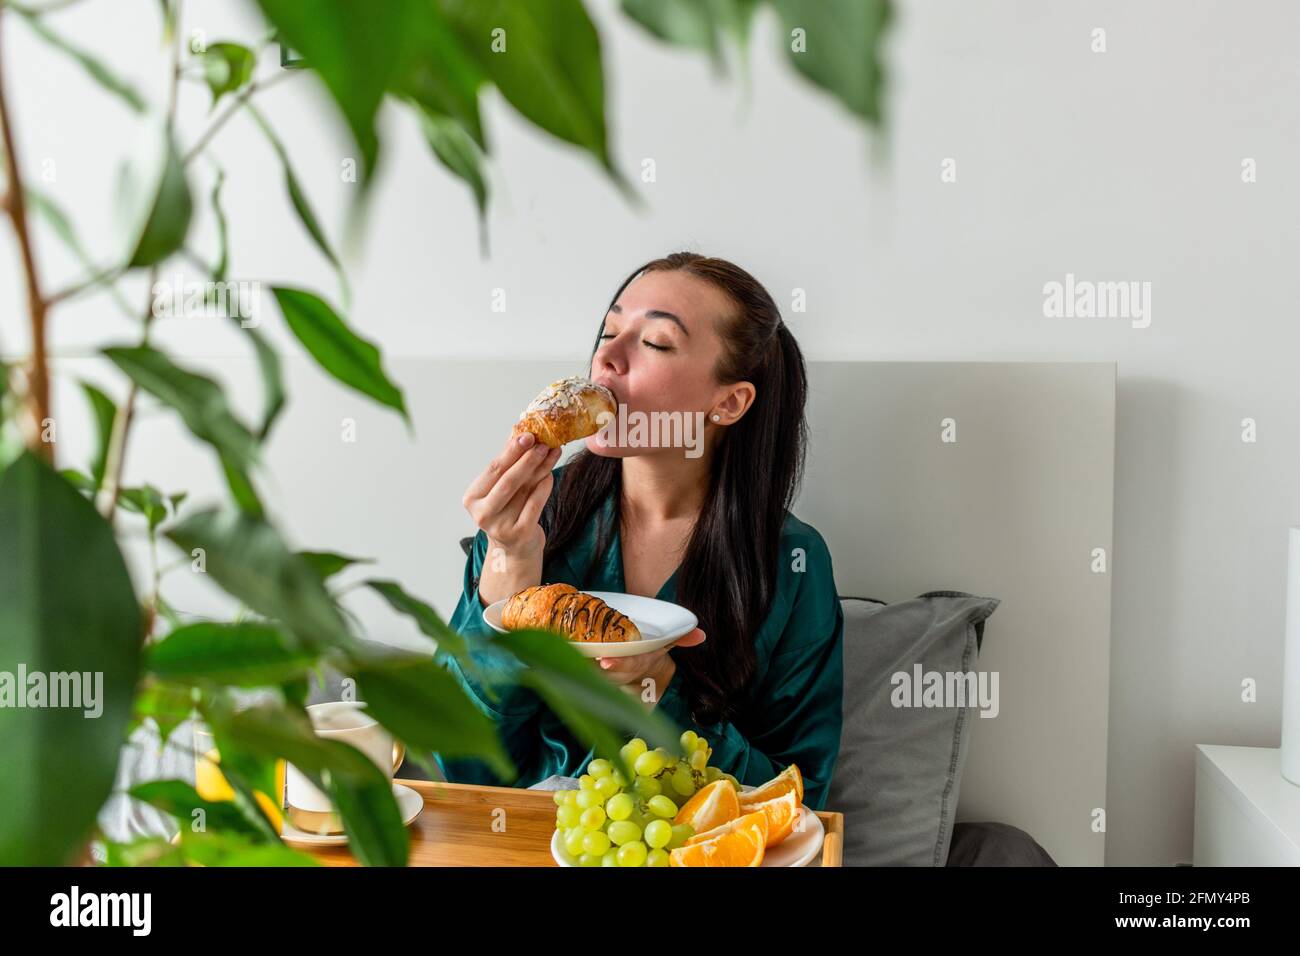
{"x": 741, "y": 842}
{"x": 789, "y": 779}
{"x": 711, "y": 806}
{"x": 782, "y": 814}
{"x": 731, "y": 826}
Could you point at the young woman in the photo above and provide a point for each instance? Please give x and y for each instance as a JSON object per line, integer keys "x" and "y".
{"x": 706, "y": 527}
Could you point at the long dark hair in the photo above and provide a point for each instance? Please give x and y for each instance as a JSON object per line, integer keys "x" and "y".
{"x": 729, "y": 573}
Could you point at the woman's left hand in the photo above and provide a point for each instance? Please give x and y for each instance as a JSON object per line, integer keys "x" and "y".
{"x": 656, "y": 665}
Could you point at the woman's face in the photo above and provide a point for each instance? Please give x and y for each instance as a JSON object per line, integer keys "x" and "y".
{"x": 658, "y": 350}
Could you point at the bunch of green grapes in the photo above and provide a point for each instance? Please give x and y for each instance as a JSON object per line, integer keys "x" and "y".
{"x": 606, "y": 822}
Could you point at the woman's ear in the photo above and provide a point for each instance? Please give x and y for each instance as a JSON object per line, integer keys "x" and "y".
{"x": 734, "y": 404}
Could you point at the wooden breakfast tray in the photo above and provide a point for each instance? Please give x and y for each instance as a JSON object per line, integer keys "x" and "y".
{"x": 461, "y": 826}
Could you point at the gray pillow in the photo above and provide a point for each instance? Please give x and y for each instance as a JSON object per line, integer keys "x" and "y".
{"x": 899, "y": 768}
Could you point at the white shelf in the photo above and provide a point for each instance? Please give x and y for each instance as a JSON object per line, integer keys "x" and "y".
{"x": 1247, "y": 813}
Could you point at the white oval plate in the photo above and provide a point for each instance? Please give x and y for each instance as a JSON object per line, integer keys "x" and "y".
{"x": 409, "y": 802}
{"x": 798, "y": 849}
{"x": 662, "y": 622}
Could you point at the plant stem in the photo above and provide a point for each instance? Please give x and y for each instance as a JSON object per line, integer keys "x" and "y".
{"x": 221, "y": 120}
{"x": 115, "y": 458}
{"x": 103, "y": 277}
{"x": 15, "y": 204}
{"x": 151, "y": 609}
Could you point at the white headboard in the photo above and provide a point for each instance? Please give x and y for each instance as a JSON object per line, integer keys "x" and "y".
{"x": 1012, "y": 509}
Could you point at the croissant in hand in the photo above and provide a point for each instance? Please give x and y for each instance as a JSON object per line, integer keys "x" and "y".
{"x": 563, "y": 608}
{"x": 568, "y": 409}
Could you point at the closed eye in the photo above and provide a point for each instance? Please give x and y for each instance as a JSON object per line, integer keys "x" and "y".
{"x": 657, "y": 348}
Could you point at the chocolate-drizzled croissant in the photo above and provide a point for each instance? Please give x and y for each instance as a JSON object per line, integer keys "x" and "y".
{"x": 568, "y": 409}
{"x": 563, "y": 608}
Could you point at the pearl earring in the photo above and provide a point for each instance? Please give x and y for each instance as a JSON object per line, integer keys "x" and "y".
{"x": 717, "y": 418}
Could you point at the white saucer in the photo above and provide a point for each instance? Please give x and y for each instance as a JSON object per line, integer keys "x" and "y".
{"x": 798, "y": 849}
{"x": 660, "y": 622}
{"x": 409, "y": 803}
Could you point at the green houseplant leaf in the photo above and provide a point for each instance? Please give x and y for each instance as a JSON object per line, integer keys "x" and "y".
{"x": 104, "y": 411}
{"x": 202, "y": 405}
{"x": 82, "y": 482}
{"x": 301, "y": 205}
{"x": 737, "y": 19}
{"x": 226, "y": 68}
{"x": 359, "y": 790}
{"x": 425, "y": 707}
{"x": 244, "y": 654}
{"x": 181, "y": 800}
{"x": 443, "y": 78}
{"x": 268, "y": 360}
{"x": 167, "y": 705}
{"x": 357, "y": 55}
{"x": 168, "y": 207}
{"x": 585, "y": 699}
{"x": 251, "y": 773}
{"x": 689, "y": 23}
{"x": 66, "y": 606}
{"x": 246, "y": 556}
{"x": 843, "y": 54}
{"x": 698, "y": 24}
{"x": 223, "y": 231}
{"x": 336, "y": 348}
{"x": 456, "y": 151}
{"x": 214, "y": 848}
{"x": 425, "y": 617}
{"x": 147, "y": 501}
{"x": 241, "y": 487}
{"x": 147, "y": 851}
{"x": 168, "y": 10}
{"x": 93, "y": 67}
{"x": 274, "y": 395}
{"x": 550, "y": 70}
{"x": 329, "y": 563}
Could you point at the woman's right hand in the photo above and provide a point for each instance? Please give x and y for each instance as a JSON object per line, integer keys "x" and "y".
{"x": 507, "y": 497}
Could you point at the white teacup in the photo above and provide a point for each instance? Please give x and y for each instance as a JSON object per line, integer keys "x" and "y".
{"x": 346, "y": 721}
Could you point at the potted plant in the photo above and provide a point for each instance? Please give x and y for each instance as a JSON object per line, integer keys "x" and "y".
{"x": 68, "y": 605}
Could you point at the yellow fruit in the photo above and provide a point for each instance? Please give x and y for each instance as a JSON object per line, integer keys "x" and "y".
{"x": 741, "y": 842}
{"x": 209, "y": 781}
{"x": 711, "y": 806}
{"x": 211, "y": 784}
{"x": 789, "y": 779}
{"x": 782, "y": 812}
{"x": 270, "y": 807}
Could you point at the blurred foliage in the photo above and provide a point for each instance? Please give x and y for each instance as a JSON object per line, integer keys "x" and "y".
{"x": 67, "y": 602}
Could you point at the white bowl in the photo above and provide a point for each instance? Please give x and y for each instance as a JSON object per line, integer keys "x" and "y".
{"x": 660, "y": 623}
{"x": 798, "y": 849}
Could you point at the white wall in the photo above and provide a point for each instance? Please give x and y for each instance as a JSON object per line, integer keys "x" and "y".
{"x": 1122, "y": 165}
